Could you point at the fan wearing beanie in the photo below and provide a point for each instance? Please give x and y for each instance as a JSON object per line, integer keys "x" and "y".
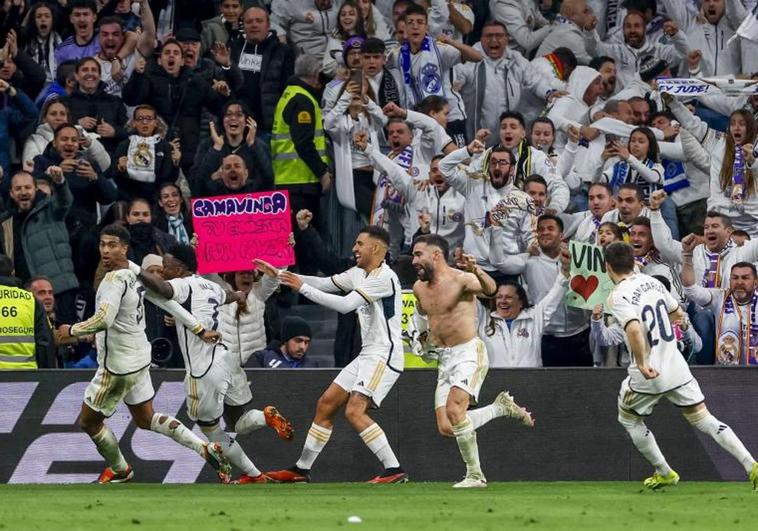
{"x": 290, "y": 352}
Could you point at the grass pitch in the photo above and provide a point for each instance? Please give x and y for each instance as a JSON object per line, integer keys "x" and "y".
{"x": 414, "y": 506}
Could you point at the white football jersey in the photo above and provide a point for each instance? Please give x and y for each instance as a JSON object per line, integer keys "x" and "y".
{"x": 642, "y": 298}
{"x": 380, "y": 316}
{"x": 202, "y": 298}
{"x": 119, "y": 323}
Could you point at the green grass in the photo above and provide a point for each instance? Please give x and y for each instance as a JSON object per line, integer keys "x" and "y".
{"x": 414, "y": 506}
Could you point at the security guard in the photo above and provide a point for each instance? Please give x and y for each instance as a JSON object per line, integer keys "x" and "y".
{"x": 25, "y": 338}
{"x": 298, "y": 144}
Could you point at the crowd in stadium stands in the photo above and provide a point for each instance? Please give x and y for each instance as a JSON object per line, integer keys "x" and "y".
{"x": 422, "y": 117}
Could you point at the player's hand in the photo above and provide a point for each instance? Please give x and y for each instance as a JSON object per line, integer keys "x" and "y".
{"x": 648, "y": 372}
{"x": 303, "y": 219}
{"x": 291, "y": 280}
{"x": 467, "y": 263}
{"x": 211, "y": 337}
{"x": 266, "y": 268}
{"x": 656, "y": 199}
{"x": 597, "y": 312}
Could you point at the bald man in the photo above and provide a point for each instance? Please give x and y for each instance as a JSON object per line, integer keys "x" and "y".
{"x": 575, "y": 17}
{"x": 224, "y": 176}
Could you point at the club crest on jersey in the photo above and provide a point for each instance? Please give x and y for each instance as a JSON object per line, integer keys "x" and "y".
{"x": 456, "y": 216}
{"x": 523, "y": 332}
{"x": 431, "y": 79}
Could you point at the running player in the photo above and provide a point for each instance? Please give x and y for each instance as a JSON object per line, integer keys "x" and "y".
{"x": 645, "y": 310}
{"x": 373, "y": 289}
{"x": 123, "y": 356}
{"x": 447, "y": 299}
{"x": 212, "y": 380}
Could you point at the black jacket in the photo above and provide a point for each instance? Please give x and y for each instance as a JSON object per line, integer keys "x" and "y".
{"x": 179, "y": 101}
{"x": 261, "y": 91}
{"x": 86, "y": 193}
{"x": 101, "y": 106}
{"x": 272, "y": 358}
{"x": 303, "y": 133}
{"x": 44, "y": 344}
{"x": 128, "y": 188}
{"x": 208, "y": 160}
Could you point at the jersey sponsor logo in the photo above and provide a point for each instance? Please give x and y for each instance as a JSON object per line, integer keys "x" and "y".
{"x": 304, "y": 117}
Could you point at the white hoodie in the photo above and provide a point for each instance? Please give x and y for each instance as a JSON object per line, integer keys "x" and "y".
{"x": 572, "y": 109}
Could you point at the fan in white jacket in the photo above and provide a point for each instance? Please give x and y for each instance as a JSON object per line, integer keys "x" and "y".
{"x": 707, "y": 148}
{"x": 442, "y": 203}
{"x": 575, "y": 15}
{"x": 245, "y": 332}
{"x": 306, "y": 24}
{"x": 497, "y": 83}
{"x": 637, "y": 46}
{"x": 709, "y": 33}
{"x": 518, "y": 343}
{"x": 524, "y": 21}
{"x": 584, "y": 88}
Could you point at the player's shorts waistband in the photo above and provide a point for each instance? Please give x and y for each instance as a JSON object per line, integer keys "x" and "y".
{"x": 471, "y": 343}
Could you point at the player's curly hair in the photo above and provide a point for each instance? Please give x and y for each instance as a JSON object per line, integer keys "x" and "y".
{"x": 185, "y": 254}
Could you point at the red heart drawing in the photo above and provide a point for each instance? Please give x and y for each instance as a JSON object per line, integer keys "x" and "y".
{"x": 584, "y": 286}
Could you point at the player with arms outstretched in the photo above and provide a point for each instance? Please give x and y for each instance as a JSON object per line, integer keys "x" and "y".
{"x": 212, "y": 381}
{"x": 123, "y": 356}
{"x": 447, "y": 310}
{"x": 373, "y": 290}
{"x": 645, "y": 310}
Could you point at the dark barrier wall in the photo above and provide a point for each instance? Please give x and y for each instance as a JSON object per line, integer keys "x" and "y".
{"x": 576, "y": 437}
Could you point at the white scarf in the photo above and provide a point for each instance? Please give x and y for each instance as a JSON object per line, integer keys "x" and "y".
{"x": 386, "y": 199}
{"x": 140, "y": 158}
{"x": 736, "y": 338}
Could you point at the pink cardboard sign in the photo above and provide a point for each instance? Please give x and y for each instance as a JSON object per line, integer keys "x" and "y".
{"x": 232, "y": 230}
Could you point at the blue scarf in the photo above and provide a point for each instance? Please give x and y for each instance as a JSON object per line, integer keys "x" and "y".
{"x": 622, "y": 174}
{"x": 177, "y": 229}
{"x": 674, "y": 176}
{"x": 429, "y": 81}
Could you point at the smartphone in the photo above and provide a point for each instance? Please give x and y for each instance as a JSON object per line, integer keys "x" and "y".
{"x": 610, "y": 139}
{"x": 356, "y": 76}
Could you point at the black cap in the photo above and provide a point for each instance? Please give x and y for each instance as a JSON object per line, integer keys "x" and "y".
{"x": 187, "y": 35}
{"x": 294, "y": 326}
{"x": 373, "y": 45}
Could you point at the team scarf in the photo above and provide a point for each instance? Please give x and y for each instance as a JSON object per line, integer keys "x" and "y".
{"x": 712, "y": 274}
{"x": 623, "y": 174}
{"x": 429, "y": 81}
{"x": 652, "y": 256}
{"x": 736, "y": 340}
{"x": 140, "y": 158}
{"x": 674, "y": 176}
{"x": 177, "y": 229}
{"x": 523, "y": 164}
{"x": 688, "y": 87}
{"x": 388, "y": 91}
{"x": 738, "y": 174}
{"x": 387, "y": 200}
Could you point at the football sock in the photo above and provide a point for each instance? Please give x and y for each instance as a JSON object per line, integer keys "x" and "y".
{"x": 317, "y": 438}
{"x": 481, "y": 416}
{"x": 107, "y": 444}
{"x": 377, "y": 442}
{"x": 170, "y": 427}
{"x": 645, "y": 442}
{"x": 465, "y": 436}
{"x": 232, "y": 450}
{"x": 722, "y": 434}
{"x": 250, "y": 421}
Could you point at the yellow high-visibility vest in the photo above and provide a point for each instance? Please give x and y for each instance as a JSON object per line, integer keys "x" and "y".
{"x": 17, "y": 347}
{"x": 289, "y": 168}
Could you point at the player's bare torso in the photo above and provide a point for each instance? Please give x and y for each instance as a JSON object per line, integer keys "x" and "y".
{"x": 449, "y": 307}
